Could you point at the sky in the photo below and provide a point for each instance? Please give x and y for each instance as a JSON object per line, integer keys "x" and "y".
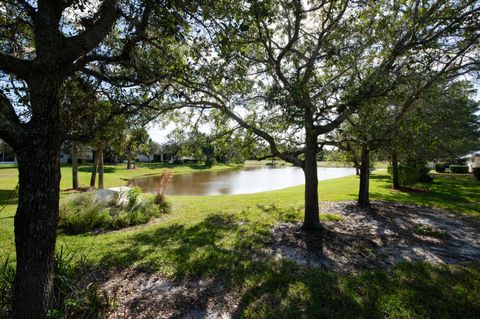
{"x": 158, "y": 134}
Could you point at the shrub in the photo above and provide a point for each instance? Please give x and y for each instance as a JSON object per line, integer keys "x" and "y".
{"x": 413, "y": 172}
{"x": 440, "y": 167}
{"x": 210, "y": 161}
{"x": 73, "y": 297}
{"x": 408, "y": 175}
{"x": 133, "y": 194}
{"x": 423, "y": 176}
{"x": 476, "y": 173}
{"x": 162, "y": 203}
{"x": 81, "y": 213}
{"x": 459, "y": 169}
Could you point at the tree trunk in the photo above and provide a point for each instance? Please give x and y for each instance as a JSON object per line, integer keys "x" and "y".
{"x": 94, "y": 170}
{"x": 74, "y": 166}
{"x": 36, "y": 218}
{"x": 100, "y": 165}
{"x": 129, "y": 162}
{"x": 363, "y": 194}
{"x": 311, "y": 218}
{"x": 396, "y": 181}
{"x": 35, "y": 229}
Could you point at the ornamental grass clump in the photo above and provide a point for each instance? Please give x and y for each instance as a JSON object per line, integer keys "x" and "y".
{"x": 85, "y": 212}
{"x": 162, "y": 187}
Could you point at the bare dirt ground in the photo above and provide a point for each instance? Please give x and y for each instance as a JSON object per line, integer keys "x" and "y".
{"x": 386, "y": 234}
{"x": 141, "y": 295}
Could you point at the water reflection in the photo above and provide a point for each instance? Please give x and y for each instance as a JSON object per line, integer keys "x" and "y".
{"x": 245, "y": 181}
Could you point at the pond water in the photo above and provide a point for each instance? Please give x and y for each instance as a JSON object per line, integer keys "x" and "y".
{"x": 244, "y": 181}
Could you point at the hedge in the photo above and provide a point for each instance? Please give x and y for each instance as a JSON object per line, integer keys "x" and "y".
{"x": 440, "y": 167}
{"x": 459, "y": 169}
{"x": 476, "y": 173}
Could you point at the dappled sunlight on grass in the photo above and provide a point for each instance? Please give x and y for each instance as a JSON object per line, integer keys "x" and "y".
{"x": 407, "y": 291}
{"x": 456, "y": 193}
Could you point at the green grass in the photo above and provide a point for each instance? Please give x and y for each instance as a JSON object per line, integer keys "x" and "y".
{"x": 216, "y": 235}
{"x": 331, "y": 217}
{"x": 426, "y": 230}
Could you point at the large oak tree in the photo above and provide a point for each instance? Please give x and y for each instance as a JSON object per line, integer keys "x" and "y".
{"x": 43, "y": 44}
{"x": 293, "y": 71}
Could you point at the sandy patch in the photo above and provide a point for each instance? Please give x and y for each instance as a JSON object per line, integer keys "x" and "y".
{"x": 379, "y": 238}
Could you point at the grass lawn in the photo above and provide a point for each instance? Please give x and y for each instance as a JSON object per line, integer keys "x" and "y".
{"x": 214, "y": 236}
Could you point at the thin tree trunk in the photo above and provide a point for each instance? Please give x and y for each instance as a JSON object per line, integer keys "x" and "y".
{"x": 129, "y": 161}
{"x": 311, "y": 218}
{"x": 74, "y": 166}
{"x": 94, "y": 170}
{"x": 100, "y": 165}
{"x": 396, "y": 181}
{"x": 363, "y": 194}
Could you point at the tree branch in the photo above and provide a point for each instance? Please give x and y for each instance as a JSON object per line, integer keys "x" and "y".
{"x": 12, "y": 65}
{"x": 10, "y": 128}
{"x": 93, "y": 35}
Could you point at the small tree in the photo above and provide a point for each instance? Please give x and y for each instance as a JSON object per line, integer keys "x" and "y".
{"x": 135, "y": 140}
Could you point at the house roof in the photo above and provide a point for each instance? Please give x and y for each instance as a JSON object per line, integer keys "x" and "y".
{"x": 470, "y": 155}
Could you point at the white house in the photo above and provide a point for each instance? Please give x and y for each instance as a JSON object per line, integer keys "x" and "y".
{"x": 472, "y": 160}
{"x": 7, "y": 156}
{"x": 164, "y": 157}
{"x": 84, "y": 154}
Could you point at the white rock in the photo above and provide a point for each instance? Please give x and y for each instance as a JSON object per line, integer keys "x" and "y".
{"x": 114, "y": 194}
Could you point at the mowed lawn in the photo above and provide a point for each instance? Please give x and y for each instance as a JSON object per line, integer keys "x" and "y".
{"x": 214, "y": 236}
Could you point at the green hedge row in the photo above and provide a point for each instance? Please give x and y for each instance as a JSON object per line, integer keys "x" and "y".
{"x": 476, "y": 173}
{"x": 459, "y": 169}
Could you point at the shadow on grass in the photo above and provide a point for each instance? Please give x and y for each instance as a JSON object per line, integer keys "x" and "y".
{"x": 187, "y": 251}
{"x": 449, "y": 191}
{"x": 407, "y": 291}
{"x": 225, "y": 248}
{"x": 6, "y": 166}
{"x": 8, "y": 197}
{"x": 88, "y": 169}
{"x": 381, "y": 177}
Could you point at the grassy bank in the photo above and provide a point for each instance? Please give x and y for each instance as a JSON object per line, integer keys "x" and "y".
{"x": 214, "y": 236}
{"x": 458, "y": 193}
{"x": 115, "y": 175}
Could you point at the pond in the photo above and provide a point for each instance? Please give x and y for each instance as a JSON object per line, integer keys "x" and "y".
{"x": 243, "y": 181}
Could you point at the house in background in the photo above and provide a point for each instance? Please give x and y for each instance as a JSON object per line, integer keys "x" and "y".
{"x": 472, "y": 160}
{"x": 165, "y": 157}
{"x": 85, "y": 154}
{"x": 7, "y": 156}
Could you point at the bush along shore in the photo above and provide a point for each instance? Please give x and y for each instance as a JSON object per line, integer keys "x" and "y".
{"x": 110, "y": 210}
